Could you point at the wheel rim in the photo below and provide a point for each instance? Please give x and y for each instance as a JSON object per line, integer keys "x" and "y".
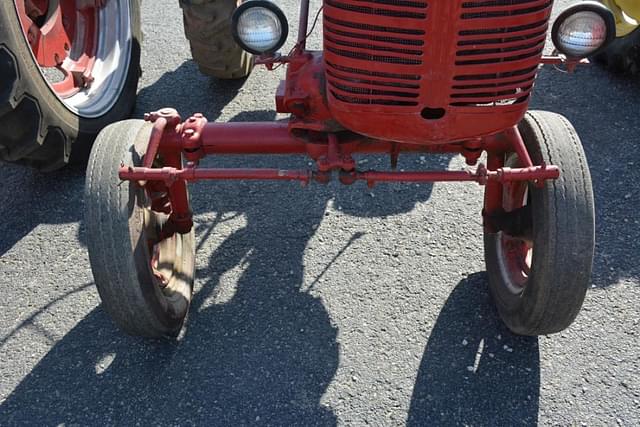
{"x": 163, "y": 252}
{"x": 84, "y": 64}
{"x": 515, "y": 253}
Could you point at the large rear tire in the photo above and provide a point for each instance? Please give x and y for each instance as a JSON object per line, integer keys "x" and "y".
{"x": 539, "y": 274}
{"x": 45, "y": 123}
{"x": 207, "y": 25}
{"x": 145, "y": 285}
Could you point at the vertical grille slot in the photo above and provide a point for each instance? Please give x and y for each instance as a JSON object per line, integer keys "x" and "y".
{"x": 368, "y": 35}
{"x": 380, "y": 52}
{"x": 496, "y": 64}
{"x": 390, "y": 8}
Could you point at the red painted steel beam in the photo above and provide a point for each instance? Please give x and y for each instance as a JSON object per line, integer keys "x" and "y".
{"x": 519, "y": 146}
{"x": 303, "y": 24}
{"x": 535, "y": 173}
{"x": 429, "y": 176}
{"x": 250, "y": 138}
{"x": 197, "y": 174}
{"x": 482, "y": 175}
{"x": 276, "y": 138}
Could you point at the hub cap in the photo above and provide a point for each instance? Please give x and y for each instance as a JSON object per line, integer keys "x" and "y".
{"x": 82, "y": 47}
{"x": 515, "y": 253}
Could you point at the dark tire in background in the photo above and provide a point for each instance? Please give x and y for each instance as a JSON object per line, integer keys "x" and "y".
{"x": 539, "y": 276}
{"x": 623, "y": 55}
{"x": 207, "y": 25}
{"x": 57, "y": 93}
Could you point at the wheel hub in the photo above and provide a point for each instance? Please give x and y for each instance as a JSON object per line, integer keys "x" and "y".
{"x": 515, "y": 240}
{"x": 84, "y": 66}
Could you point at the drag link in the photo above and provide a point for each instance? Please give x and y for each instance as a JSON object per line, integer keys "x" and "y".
{"x": 172, "y": 175}
{"x": 482, "y": 176}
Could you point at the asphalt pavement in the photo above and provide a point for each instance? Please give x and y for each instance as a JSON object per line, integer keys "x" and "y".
{"x": 321, "y": 305}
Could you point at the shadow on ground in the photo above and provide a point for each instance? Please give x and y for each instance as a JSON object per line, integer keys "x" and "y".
{"x": 30, "y": 198}
{"x": 258, "y": 349}
{"x": 188, "y": 91}
{"x": 261, "y": 349}
{"x": 474, "y": 371}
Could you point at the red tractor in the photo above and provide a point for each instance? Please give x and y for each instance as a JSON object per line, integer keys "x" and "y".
{"x": 394, "y": 77}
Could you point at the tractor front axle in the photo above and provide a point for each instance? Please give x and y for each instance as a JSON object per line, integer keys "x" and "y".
{"x": 181, "y": 145}
{"x": 195, "y": 138}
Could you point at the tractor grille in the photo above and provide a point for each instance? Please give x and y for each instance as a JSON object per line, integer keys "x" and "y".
{"x": 432, "y": 70}
{"x": 362, "y": 58}
{"x": 383, "y": 52}
{"x": 496, "y": 64}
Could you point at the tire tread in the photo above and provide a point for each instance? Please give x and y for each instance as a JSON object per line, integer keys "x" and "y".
{"x": 112, "y": 258}
{"x": 207, "y": 25}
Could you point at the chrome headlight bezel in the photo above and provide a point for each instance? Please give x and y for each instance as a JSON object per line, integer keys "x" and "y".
{"x": 270, "y": 7}
{"x": 587, "y": 6}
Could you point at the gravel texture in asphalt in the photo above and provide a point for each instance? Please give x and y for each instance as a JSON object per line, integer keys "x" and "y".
{"x": 321, "y": 305}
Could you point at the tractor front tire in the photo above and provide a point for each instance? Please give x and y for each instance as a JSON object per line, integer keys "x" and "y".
{"x": 539, "y": 276}
{"x": 122, "y": 231}
{"x": 207, "y": 25}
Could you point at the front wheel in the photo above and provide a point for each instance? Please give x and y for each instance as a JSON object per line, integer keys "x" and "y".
{"x": 145, "y": 283}
{"x": 539, "y": 270}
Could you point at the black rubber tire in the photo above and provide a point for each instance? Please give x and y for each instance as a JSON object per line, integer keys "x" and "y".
{"x": 207, "y": 25}
{"x": 36, "y": 128}
{"x": 116, "y": 227}
{"x": 623, "y": 55}
{"x": 563, "y": 234}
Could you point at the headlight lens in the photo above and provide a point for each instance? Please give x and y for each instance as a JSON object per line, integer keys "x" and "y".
{"x": 260, "y": 27}
{"x": 582, "y": 34}
{"x": 583, "y": 30}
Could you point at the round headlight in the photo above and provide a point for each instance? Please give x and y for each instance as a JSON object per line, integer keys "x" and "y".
{"x": 259, "y": 27}
{"x": 583, "y": 30}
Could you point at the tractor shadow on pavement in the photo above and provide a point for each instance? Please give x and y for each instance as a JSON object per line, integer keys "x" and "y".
{"x": 259, "y": 348}
{"x": 474, "y": 371}
{"x": 30, "y": 198}
{"x": 188, "y": 91}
